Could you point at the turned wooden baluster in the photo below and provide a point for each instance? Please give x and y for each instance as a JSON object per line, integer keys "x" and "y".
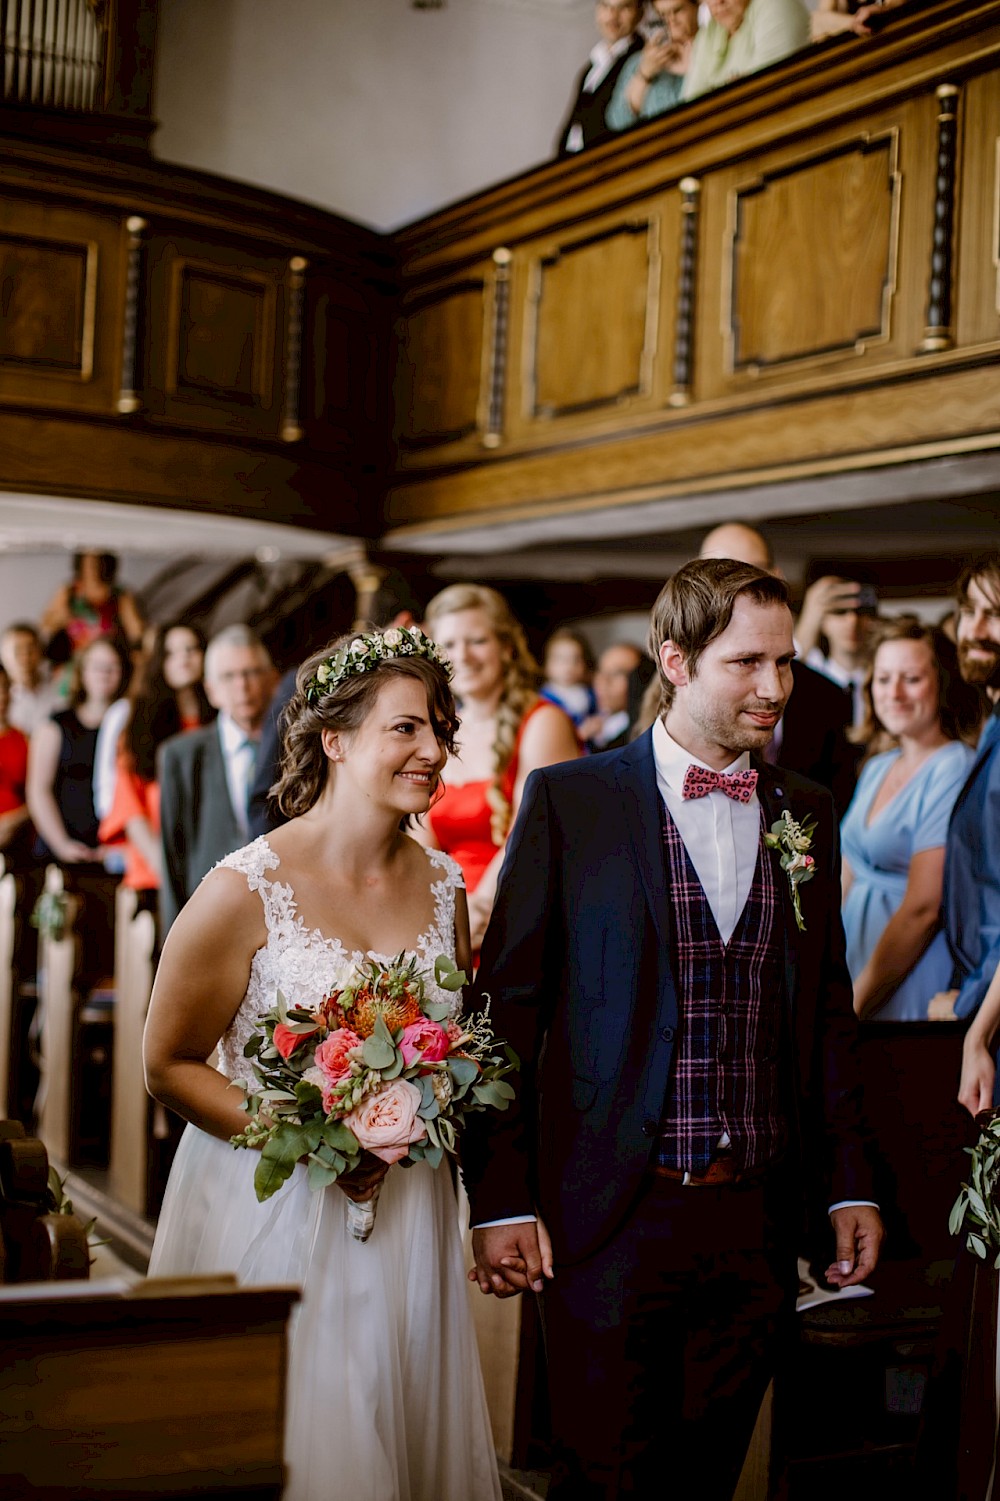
{"x": 938, "y": 333}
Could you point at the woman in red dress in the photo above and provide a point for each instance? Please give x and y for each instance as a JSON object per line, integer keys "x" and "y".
{"x": 507, "y": 731}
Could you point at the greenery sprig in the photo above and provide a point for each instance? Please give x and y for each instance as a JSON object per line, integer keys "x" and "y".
{"x": 977, "y": 1208}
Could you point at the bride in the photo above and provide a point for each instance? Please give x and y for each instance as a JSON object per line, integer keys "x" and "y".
{"x": 385, "y": 1396}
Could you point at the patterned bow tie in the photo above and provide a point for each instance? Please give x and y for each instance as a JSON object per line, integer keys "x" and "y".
{"x": 699, "y": 781}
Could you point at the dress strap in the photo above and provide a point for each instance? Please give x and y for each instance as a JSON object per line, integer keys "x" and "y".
{"x": 252, "y": 861}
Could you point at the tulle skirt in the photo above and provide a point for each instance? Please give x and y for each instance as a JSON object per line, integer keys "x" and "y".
{"x": 385, "y": 1396}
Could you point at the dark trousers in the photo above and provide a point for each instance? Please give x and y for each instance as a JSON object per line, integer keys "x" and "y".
{"x": 661, "y": 1345}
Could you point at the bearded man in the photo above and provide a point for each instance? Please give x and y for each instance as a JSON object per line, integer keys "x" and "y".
{"x": 972, "y": 858}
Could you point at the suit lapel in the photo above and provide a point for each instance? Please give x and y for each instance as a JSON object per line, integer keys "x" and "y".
{"x": 640, "y": 799}
{"x": 988, "y": 743}
{"x": 774, "y": 801}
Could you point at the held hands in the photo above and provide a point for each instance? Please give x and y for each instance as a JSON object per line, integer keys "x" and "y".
{"x": 511, "y": 1259}
{"x": 657, "y": 56}
{"x": 860, "y": 1233}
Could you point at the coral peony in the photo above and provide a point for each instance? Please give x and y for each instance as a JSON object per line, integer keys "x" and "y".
{"x": 424, "y": 1040}
{"x": 386, "y": 1123}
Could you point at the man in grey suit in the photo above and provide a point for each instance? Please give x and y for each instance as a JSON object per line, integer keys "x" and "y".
{"x": 205, "y": 776}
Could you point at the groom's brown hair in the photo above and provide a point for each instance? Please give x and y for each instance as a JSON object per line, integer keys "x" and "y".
{"x": 696, "y": 605}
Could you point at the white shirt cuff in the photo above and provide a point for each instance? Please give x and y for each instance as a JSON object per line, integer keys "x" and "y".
{"x": 515, "y": 1219}
{"x": 852, "y": 1204}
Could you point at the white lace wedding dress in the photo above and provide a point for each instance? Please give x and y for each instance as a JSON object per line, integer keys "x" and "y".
{"x": 385, "y": 1397}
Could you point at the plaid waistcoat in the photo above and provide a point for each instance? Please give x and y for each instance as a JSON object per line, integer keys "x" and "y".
{"x": 726, "y": 1073}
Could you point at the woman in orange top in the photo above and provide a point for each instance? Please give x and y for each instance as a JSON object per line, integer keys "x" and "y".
{"x": 507, "y": 731}
{"x": 170, "y": 699}
{"x": 13, "y": 774}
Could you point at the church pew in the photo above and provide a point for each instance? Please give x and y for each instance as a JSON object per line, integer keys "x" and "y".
{"x": 8, "y": 902}
{"x": 174, "y": 1389}
{"x": 36, "y": 1242}
{"x": 57, "y": 962}
{"x": 135, "y": 938}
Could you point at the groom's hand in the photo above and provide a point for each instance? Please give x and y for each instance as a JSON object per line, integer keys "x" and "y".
{"x": 860, "y": 1233}
{"x": 509, "y": 1259}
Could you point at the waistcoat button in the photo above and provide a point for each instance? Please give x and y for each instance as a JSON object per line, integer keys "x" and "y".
{"x": 668, "y": 1034}
{"x": 649, "y": 1128}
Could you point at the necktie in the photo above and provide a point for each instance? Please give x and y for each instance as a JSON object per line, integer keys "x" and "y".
{"x": 699, "y": 781}
{"x": 246, "y": 767}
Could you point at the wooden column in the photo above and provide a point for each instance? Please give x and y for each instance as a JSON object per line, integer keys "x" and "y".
{"x": 291, "y": 425}
{"x": 497, "y": 369}
{"x": 56, "y": 997}
{"x": 938, "y": 333}
{"x": 687, "y": 271}
{"x": 128, "y": 395}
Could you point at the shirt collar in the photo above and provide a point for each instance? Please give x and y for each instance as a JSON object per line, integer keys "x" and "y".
{"x": 231, "y": 737}
{"x": 603, "y": 54}
{"x": 672, "y": 760}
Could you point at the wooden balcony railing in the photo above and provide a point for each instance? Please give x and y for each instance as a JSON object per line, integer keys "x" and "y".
{"x": 795, "y": 276}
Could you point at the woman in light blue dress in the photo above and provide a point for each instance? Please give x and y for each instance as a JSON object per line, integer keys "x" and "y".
{"x": 895, "y": 829}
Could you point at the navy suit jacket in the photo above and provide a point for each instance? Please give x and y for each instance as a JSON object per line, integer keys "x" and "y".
{"x": 577, "y": 964}
{"x": 972, "y": 875}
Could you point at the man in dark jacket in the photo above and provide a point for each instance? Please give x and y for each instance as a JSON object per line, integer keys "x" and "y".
{"x": 617, "y": 22}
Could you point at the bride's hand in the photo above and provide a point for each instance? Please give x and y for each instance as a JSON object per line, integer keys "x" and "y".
{"x": 361, "y": 1182}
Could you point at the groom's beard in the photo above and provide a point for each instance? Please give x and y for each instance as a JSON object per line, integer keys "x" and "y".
{"x": 984, "y": 672}
{"x": 730, "y": 728}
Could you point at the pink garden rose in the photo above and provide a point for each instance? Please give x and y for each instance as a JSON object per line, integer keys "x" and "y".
{"x": 386, "y": 1123}
{"x": 424, "y": 1040}
{"x": 331, "y": 1055}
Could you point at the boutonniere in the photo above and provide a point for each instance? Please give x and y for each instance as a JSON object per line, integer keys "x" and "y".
{"x": 793, "y": 841}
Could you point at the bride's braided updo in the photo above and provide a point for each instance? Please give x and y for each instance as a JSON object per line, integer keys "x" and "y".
{"x": 335, "y": 690}
{"x": 520, "y": 684}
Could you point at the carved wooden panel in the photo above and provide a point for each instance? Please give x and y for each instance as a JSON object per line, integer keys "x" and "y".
{"x": 440, "y": 366}
{"x": 222, "y": 325}
{"x": 342, "y": 401}
{"x": 592, "y": 314}
{"x": 47, "y": 304}
{"x": 813, "y": 262}
{"x": 60, "y": 305}
{"x": 978, "y": 248}
{"x": 215, "y": 335}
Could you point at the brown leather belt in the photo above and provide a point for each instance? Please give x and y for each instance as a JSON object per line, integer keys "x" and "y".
{"x": 721, "y": 1171}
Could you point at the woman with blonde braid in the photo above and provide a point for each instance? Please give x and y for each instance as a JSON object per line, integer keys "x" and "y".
{"x": 507, "y": 731}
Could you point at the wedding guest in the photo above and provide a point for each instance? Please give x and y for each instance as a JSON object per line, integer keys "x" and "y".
{"x": 619, "y": 39}
{"x": 568, "y": 670}
{"x": 894, "y": 834}
{"x": 508, "y": 730}
{"x": 972, "y": 862}
{"x": 385, "y": 1398}
{"x": 14, "y": 827}
{"x": 651, "y": 81}
{"x": 837, "y": 17}
{"x": 61, "y": 798}
{"x": 61, "y": 762}
{"x": 835, "y": 632}
{"x": 93, "y": 605}
{"x": 168, "y": 700}
{"x": 688, "y": 1076}
{"x": 741, "y": 37}
{"x": 206, "y": 775}
{"x": 33, "y": 698}
{"x": 170, "y": 682}
{"x": 611, "y": 725}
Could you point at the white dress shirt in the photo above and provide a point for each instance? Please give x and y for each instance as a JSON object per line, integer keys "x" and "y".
{"x": 602, "y": 56}
{"x": 721, "y": 835}
{"x": 239, "y": 753}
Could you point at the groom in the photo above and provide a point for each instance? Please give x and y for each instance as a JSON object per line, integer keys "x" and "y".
{"x": 687, "y": 1086}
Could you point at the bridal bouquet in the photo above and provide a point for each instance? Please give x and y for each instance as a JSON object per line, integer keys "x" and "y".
{"x": 379, "y": 1066}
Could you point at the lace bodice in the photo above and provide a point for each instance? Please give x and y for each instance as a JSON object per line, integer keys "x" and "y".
{"x": 303, "y": 963}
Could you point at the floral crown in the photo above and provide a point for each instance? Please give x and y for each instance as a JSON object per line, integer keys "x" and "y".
{"x": 367, "y": 651}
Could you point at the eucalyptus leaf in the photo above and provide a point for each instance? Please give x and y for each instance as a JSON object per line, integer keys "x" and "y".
{"x": 379, "y": 1054}
{"x": 503, "y": 1089}
{"x": 430, "y": 1111}
{"x": 976, "y": 1244}
{"x": 341, "y": 1138}
{"x": 447, "y": 974}
{"x": 321, "y": 1175}
{"x": 433, "y": 1155}
{"x": 437, "y": 1011}
{"x": 308, "y": 1096}
{"x": 432, "y": 1133}
{"x": 463, "y": 1072}
{"x": 395, "y": 1068}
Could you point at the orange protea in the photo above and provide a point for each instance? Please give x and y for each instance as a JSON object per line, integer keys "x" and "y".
{"x": 396, "y": 1010}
